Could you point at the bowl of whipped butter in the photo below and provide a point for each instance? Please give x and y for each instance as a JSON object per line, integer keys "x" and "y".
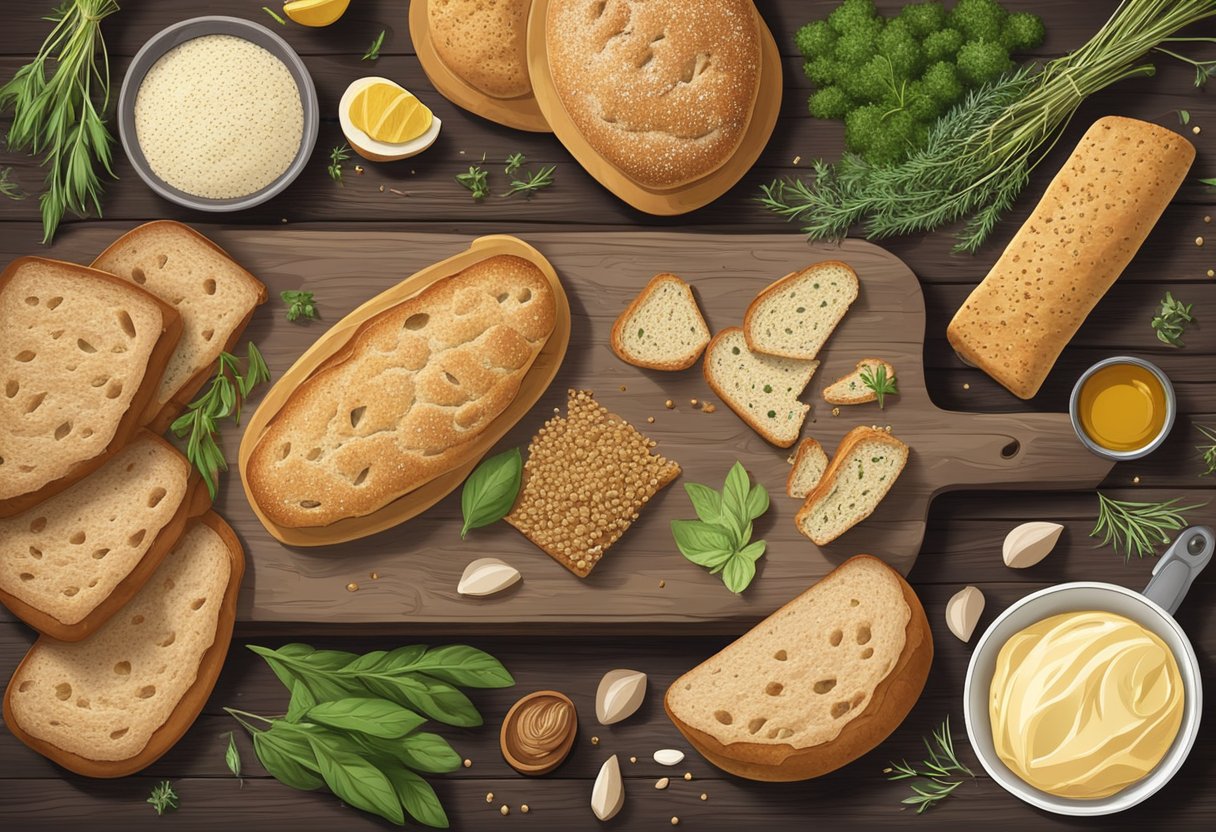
{"x": 1085, "y": 698}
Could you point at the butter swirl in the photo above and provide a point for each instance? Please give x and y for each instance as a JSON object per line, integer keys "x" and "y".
{"x": 1084, "y": 704}
{"x": 540, "y": 728}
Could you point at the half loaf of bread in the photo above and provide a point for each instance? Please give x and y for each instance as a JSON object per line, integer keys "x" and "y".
{"x": 72, "y": 561}
{"x": 662, "y": 329}
{"x": 113, "y": 703}
{"x": 400, "y": 403}
{"x": 815, "y": 685}
{"x": 81, "y": 355}
{"x": 213, "y": 294}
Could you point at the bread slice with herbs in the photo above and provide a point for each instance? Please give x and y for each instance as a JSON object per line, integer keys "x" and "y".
{"x": 865, "y": 467}
{"x": 852, "y": 388}
{"x": 809, "y": 464}
{"x": 814, "y": 686}
{"x": 762, "y": 389}
{"x": 795, "y": 316}
{"x": 662, "y": 329}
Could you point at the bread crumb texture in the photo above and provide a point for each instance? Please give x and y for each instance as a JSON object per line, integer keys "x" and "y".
{"x": 795, "y": 316}
{"x": 399, "y": 404}
{"x": 663, "y": 328}
{"x": 805, "y": 672}
{"x": 104, "y": 697}
{"x": 587, "y": 477}
{"x": 867, "y": 464}
{"x": 809, "y": 464}
{"x": 73, "y": 353}
{"x": 483, "y": 42}
{"x": 663, "y": 91}
{"x": 66, "y": 555}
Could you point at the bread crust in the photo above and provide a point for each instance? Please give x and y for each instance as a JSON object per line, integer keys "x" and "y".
{"x": 135, "y": 416}
{"x": 893, "y": 698}
{"x": 851, "y": 440}
{"x": 866, "y": 395}
{"x": 806, "y": 446}
{"x": 617, "y": 341}
{"x": 776, "y": 286}
{"x": 188, "y": 707}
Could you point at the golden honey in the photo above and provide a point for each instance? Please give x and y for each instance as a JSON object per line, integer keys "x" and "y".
{"x": 1122, "y": 407}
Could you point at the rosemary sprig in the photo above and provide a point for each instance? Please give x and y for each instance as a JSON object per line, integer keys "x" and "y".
{"x": 532, "y": 182}
{"x": 875, "y": 378}
{"x": 272, "y": 13}
{"x": 1138, "y": 527}
{"x": 514, "y": 162}
{"x": 9, "y": 188}
{"x": 476, "y": 180}
{"x": 299, "y": 305}
{"x": 163, "y": 798}
{"x": 1172, "y": 320}
{"x": 1208, "y": 451}
{"x": 336, "y": 157}
{"x": 228, "y": 391}
{"x": 937, "y": 776}
{"x": 373, "y": 51}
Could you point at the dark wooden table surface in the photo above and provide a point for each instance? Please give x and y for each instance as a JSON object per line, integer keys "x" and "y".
{"x": 965, "y": 530}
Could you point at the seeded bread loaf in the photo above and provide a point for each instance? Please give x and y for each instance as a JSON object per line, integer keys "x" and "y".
{"x": 814, "y": 686}
{"x": 662, "y": 91}
{"x": 809, "y": 464}
{"x": 795, "y": 316}
{"x": 400, "y": 403}
{"x": 1089, "y": 224}
{"x": 81, "y": 355}
{"x": 852, "y": 389}
{"x": 663, "y": 328}
{"x": 213, "y": 294}
{"x": 762, "y": 389}
{"x": 113, "y": 703}
{"x": 72, "y": 561}
{"x": 865, "y": 467}
{"x": 483, "y": 42}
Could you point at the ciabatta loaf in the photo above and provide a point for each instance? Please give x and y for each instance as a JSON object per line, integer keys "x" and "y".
{"x": 113, "y": 703}
{"x": 852, "y": 389}
{"x": 72, "y": 561}
{"x": 401, "y": 402}
{"x": 795, "y": 316}
{"x": 866, "y": 465}
{"x": 815, "y": 685}
{"x": 483, "y": 42}
{"x": 81, "y": 355}
{"x": 213, "y": 294}
{"x": 809, "y": 464}
{"x": 663, "y": 328}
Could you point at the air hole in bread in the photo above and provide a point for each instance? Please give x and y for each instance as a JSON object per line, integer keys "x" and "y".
{"x": 38, "y": 524}
{"x": 56, "y": 334}
{"x": 137, "y": 274}
{"x": 99, "y": 381}
{"x": 774, "y": 688}
{"x": 119, "y": 734}
{"x": 161, "y": 260}
{"x": 696, "y": 66}
{"x": 284, "y": 450}
{"x": 858, "y": 698}
{"x": 417, "y": 321}
{"x": 840, "y": 709}
{"x": 169, "y": 584}
{"x": 156, "y": 496}
{"x": 136, "y": 620}
{"x": 35, "y": 553}
{"x": 82, "y": 703}
{"x": 71, "y": 368}
{"x": 35, "y": 402}
{"x": 147, "y": 692}
{"x": 208, "y": 334}
{"x": 85, "y": 346}
{"x": 599, "y": 8}
{"x": 54, "y": 302}
{"x": 502, "y": 297}
{"x": 27, "y": 576}
{"x": 780, "y": 733}
{"x": 525, "y": 295}
{"x": 197, "y": 603}
{"x": 309, "y": 504}
{"x": 824, "y": 686}
{"x": 63, "y": 691}
{"x": 71, "y": 591}
{"x": 781, "y": 655}
{"x": 361, "y": 476}
{"x": 114, "y": 389}
{"x": 31, "y": 301}
{"x": 24, "y": 686}
{"x": 451, "y": 379}
{"x": 836, "y": 637}
{"x": 863, "y": 634}
{"x": 25, "y": 356}
{"x": 63, "y": 430}
{"x": 122, "y": 668}
{"x": 86, "y": 433}
{"x": 867, "y": 653}
{"x": 77, "y": 538}
{"x": 724, "y": 717}
{"x": 754, "y": 725}
{"x": 209, "y": 286}
{"x": 167, "y": 640}
{"x": 853, "y": 602}
{"x": 356, "y": 415}
{"x": 124, "y": 321}
{"x": 11, "y": 388}
{"x": 131, "y": 467}
{"x": 137, "y": 538}
{"x": 94, "y": 582}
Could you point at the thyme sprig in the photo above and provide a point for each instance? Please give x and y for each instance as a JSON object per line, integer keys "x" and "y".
{"x": 163, "y": 797}
{"x": 373, "y": 51}
{"x": 531, "y": 182}
{"x": 476, "y": 180}
{"x": 1139, "y": 527}
{"x": 937, "y": 776}
{"x": 1208, "y": 451}
{"x": 875, "y": 377}
{"x": 337, "y": 156}
{"x": 1172, "y": 320}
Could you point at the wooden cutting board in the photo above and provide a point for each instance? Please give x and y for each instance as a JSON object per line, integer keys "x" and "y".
{"x": 643, "y": 584}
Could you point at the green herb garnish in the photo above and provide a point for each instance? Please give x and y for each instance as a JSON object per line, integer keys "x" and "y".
{"x": 490, "y": 491}
{"x": 875, "y": 378}
{"x": 336, "y": 157}
{"x": 1184, "y": 117}
{"x": 721, "y": 538}
{"x": 514, "y": 162}
{"x": 1138, "y": 527}
{"x": 8, "y": 188}
{"x": 229, "y": 389}
{"x": 532, "y": 182}
{"x": 1172, "y": 320}
{"x": 934, "y": 778}
{"x": 232, "y": 756}
{"x": 62, "y": 118}
{"x": 373, "y": 51}
{"x": 299, "y": 305}
{"x": 1203, "y": 69}
{"x": 271, "y": 12}
{"x": 1208, "y": 451}
{"x": 476, "y": 180}
{"x": 163, "y": 798}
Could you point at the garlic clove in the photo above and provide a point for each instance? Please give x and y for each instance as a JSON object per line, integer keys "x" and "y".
{"x": 485, "y": 576}
{"x": 963, "y": 612}
{"x": 608, "y": 793}
{"x": 619, "y": 695}
{"x": 1029, "y": 543}
{"x": 669, "y": 757}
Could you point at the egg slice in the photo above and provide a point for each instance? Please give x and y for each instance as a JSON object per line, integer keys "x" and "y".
{"x": 384, "y": 122}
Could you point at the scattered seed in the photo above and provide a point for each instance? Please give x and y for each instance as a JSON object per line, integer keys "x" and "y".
{"x": 381, "y": 189}
{"x": 662, "y": 584}
{"x": 505, "y": 810}
{"x": 1211, "y": 273}
{"x": 797, "y": 159}
{"x": 1198, "y": 241}
{"x": 688, "y": 775}
{"x": 622, "y": 388}
{"x": 352, "y": 586}
{"x": 1207, "y": 219}
{"x": 662, "y": 783}
{"x": 692, "y": 402}
{"x": 966, "y": 386}
{"x": 650, "y": 420}
{"x": 359, "y": 169}
{"x": 675, "y": 821}
{"x": 633, "y": 759}
{"x": 704, "y": 796}
{"x": 489, "y": 797}
{"x": 284, "y": 220}
{"x": 468, "y": 763}
{"x": 1196, "y": 130}
{"x": 1136, "y": 480}
{"x": 669, "y": 404}
{"x": 375, "y": 576}
{"x": 595, "y": 740}
{"x": 835, "y": 411}
{"x": 524, "y": 808}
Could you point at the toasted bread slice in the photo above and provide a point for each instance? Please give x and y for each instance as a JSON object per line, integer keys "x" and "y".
{"x": 663, "y": 328}
{"x": 795, "y": 316}
{"x": 81, "y": 354}
{"x": 809, "y": 464}
{"x": 815, "y": 685}
{"x": 213, "y": 294}
{"x": 113, "y": 703}
{"x": 762, "y": 389}
{"x": 850, "y": 389}
{"x": 71, "y": 562}
{"x": 866, "y": 465}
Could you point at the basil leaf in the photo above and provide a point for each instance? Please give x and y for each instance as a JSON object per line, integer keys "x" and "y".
{"x": 734, "y": 494}
{"x": 694, "y": 537}
{"x": 438, "y": 700}
{"x": 706, "y": 502}
{"x": 232, "y": 756}
{"x": 301, "y": 700}
{"x": 420, "y": 751}
{"x": 403, "y": 657}
{"x": 282, "y": 762}
{"x": 752, "y": 551}
{"x": 356, "y": 781}
{"x": 418, "y": 798}
{"x": 377, "y": 717}
{"x": 757, "y": 502}
{"x": 721, "y": 539}
{"x": 464, "y": 665}
{"x": 738, "y": 573}
{"x": 712, "y": 560}
{"x": 490, "y": 491}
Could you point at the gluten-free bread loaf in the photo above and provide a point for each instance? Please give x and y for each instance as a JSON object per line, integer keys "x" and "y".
{"x": 1091, "y": 221}
{"x": 815, "y": 685}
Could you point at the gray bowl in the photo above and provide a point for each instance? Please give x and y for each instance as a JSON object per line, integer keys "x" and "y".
{"x": 1171, "y": 409}
{"x": 178, "y": 33}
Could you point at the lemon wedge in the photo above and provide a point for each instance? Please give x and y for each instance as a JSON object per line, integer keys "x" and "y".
{"x": 315, "y": 12}
{"x": 383, "y": 121}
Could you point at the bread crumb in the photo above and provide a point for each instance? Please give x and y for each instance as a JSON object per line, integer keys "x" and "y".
{"x": 622, "y": 388}
{"x": 633, "y": 759}
{"x": 358, "y": 170}
{"x": 650, "y": 420}
{"x": 595, "y": 740}
{"x": 381, "y": 189}
{"x": 709, "y": 407}
{"x": 835, "y": 411}
{"x": 375, "y": 576}
{"x": 688, "y": 775}
{"x": 352, "y": 586}
{"x": 797, "y": 159}
{"x": 662, "y": 584}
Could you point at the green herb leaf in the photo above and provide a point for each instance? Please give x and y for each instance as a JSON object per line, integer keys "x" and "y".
{"x": 438, "y": 700}
{"x": 374, "y": 717}
{"x": 356, "y": 781}
{"x": 460, "y": 664}
{"x": 420, "y": 751}
{"x": 1184, "y": 117}
{"x": 8, "y": 188}
{"x": 757, "y": 502}
{"x": 163, "y": 798}
{"x": 490, "y": 491}
{"x": 532, "y": 182}
{"x": 738, "y": 573}
{"x": 1211, "y": 183}
{"x": 373, "y": 51}
{"x": 1172, "y": 320}
{"x": 272, "y": 13}
{"x": 337, "y": 156}
{"x": 302, "y": 700}
{"x": 706, "y": 502}
{"x": 703, "y": 543}
{"x": 1207, "y": 451}
{"x": 418, "y": 798}
{"x": 232, "y": 756}
{"x": 476, "y": 180}
{"x": 300, "y": 304}
{"x": 514, "y": 162}
{"x": 1139, "y": 527}
{"x": 935, "y": 777}
{"x": 874, "y": 376}
{"x": 288, "y": 759}
{"x": 719, "y": 540}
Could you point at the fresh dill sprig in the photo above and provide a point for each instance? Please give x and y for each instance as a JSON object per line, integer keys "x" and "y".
{"x": 1172, "y": 320}
{"x": 336, "y": 157}
{"x": 476, "y": 180}
{"x": 1203, "y": 69}
{"x": 1138, "y": 527}
{"x": 373, "y": 51}
{"x": 9, "y": 188}
{"x": 514, "y": 162}
{"x": 163, "y": 798}
{"x": 934, "y": 778}
{"x": 1208, "y": 451}
{"x": 532, "y": 182}
{"x": 300, "y": 304}
{"x": 271, "y": 12}
{"x": 875, "y": 377}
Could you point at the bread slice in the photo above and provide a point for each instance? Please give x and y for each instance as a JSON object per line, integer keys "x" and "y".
{"x": 213, "y": 294}
{"x": 815, "y": 685}
{"x": 663, "y": 328}
{"x": 113, "y": 703}
{"x": 795, "y": 316}
{"x": 762, "y": 389}
{"x": 850, "y": 389}
{"x": 81, "y": 354}
{"x": 71, "y": 562}
{"x": 809, "y": 464}
{"x": 866, "y": 465}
